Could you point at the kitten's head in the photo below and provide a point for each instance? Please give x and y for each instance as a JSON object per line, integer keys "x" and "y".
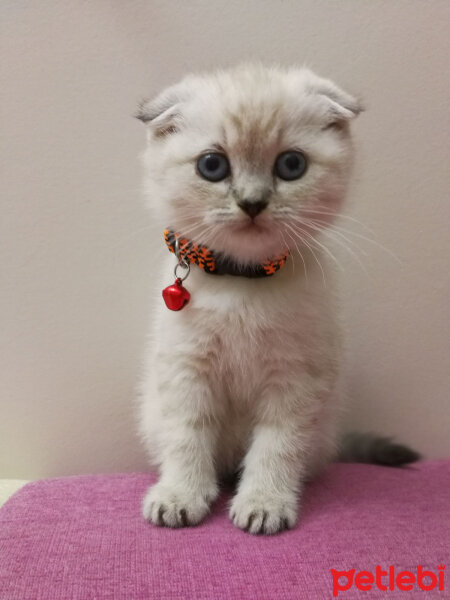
{"x": 238, "y": 160}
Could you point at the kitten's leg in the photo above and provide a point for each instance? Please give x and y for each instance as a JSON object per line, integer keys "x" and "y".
{"x": 275, "y": 467}
{"x": 186, "y": 439}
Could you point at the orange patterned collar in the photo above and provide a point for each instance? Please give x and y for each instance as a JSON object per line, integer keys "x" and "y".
{"x": 218, "y": 264}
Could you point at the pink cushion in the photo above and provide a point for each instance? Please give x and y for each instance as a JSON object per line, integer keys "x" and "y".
{"x": 83, "y": 538}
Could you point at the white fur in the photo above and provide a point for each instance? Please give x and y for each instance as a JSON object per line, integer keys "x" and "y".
{"x": 247, "y": 374}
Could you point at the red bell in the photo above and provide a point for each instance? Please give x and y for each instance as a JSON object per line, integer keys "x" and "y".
{"x": 176, "y": 296}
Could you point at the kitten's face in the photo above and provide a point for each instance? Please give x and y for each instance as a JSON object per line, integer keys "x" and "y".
{"x": 239, "y": 160}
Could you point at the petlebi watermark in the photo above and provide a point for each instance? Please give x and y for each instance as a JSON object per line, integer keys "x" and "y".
{"x": 388, "y": 580}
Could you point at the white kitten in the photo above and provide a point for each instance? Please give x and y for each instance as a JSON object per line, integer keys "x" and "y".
{"x": 247, "y": 162}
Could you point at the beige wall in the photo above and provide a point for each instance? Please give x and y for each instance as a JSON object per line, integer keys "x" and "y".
{"x": 76, "y": 270}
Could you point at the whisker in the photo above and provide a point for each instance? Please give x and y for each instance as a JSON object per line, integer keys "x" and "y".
{"x": 301, "y": 256}
{"x": 367, "y": 239}
{"x": 338, "y": 232}
{"x": 332, "y": 232}
{"x": 204, "y": 234}
{"x": 189, "y": 230}
{"x": 312, "y": 252}
{"x": 338, "y": 215}
{"x": 287, "y": 246}
{"x": 321, "y": 226}
{"x": 330, "y": 254}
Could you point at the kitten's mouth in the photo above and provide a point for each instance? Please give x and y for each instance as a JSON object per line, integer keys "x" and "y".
{"x": 251, "y": 226}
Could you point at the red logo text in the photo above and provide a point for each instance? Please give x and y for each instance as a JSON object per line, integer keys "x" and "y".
{"x": 389, "y": 580}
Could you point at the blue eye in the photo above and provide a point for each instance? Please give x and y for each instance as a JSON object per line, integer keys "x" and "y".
{"x": 290, "y": 165}
{"x": 213, "y": 166}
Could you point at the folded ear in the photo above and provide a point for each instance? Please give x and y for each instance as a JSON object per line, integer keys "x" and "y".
{"x": 163, "y": 113}
{"x": 340, "y": 105}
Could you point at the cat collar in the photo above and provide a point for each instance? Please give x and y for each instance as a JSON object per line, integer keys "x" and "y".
{"x": 176, "y": 296}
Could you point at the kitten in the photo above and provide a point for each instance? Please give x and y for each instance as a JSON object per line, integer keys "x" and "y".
{"x": 250, "y": 164}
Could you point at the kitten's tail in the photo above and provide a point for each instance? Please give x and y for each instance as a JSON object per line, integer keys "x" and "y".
{"x": 375, "y": 449}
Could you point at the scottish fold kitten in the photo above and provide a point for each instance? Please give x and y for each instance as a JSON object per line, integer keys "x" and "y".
{"x": 244, "y": 169}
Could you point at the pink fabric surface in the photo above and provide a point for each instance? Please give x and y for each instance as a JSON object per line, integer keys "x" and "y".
{"x": 83, "y": 538}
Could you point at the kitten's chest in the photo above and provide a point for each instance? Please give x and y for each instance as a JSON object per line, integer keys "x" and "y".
{"x": 250, "y": 349}
{"x": 244, "y": 332}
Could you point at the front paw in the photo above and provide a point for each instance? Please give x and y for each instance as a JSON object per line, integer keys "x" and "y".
{"x": 264, "y": 513}
{"x": 170, "y": 507}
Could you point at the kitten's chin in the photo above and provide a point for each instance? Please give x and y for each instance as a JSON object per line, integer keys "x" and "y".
{"x": 249, "y": 242}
